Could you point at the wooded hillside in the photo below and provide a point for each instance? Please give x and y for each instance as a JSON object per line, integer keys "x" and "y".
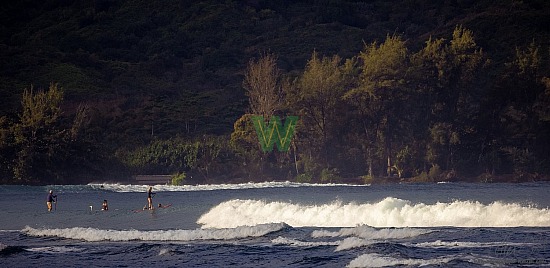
{"x": 101, "y": 90}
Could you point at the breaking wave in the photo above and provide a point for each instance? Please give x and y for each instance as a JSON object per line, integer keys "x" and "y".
{"x": 93, "y": 234}
{"x": 390, "y": 212}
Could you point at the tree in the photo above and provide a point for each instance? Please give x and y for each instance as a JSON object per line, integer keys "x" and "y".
{"x": 447, "y": 77}
{"x": 523, "y": 125}
{"x": 262, "y": 86}
{"x": 378, "y": 96}
{"x": 244, "y": 142}
{"x": 6, "y": 149}
{"x": 42, "y": 141}
{"x": 209, "y": 149}
{"x": 316, "y": 97}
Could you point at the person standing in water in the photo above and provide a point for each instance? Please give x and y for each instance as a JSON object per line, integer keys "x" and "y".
{"x": 50, "y": 199}
{"x": 150, "y": 198}
{"x": 105, "y": 206}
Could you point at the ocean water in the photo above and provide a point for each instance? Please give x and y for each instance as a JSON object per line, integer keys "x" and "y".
{"x": 278, "y": 224}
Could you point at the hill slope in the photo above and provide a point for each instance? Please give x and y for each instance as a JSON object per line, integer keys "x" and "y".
{"x": 175, "y": 68}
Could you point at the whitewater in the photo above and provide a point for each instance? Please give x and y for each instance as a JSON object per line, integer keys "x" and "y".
{"x": 278, "y": 224}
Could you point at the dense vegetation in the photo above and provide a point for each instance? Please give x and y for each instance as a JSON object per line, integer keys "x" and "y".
{"x": 101, "y": 90}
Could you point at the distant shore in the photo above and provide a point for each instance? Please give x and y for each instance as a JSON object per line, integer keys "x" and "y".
{"x": 483, "y": 178}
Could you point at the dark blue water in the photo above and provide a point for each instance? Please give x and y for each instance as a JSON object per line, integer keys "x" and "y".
{"x": 278, "y": 225}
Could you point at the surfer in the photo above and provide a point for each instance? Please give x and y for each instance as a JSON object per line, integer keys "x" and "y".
{"x": 105, "y": 206}
{"x": 51, "y": 199}
{"x": 150, "y": 198}
{"x": 164, "y": 206}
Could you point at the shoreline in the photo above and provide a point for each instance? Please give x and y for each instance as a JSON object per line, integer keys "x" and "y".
{"x": 443, "y": 178}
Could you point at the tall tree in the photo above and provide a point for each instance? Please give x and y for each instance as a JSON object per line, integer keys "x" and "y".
{"x": 42, "y": 141}
{"x": 454, "y": 91}
{"x": 262, "y": 84}
{"x": 317, "y": 99}
{"x": 379, "y": 94}
{"x": 521, "y": 111}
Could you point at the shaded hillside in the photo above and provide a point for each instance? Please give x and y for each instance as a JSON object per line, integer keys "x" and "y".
{"x": 160, "y": 69}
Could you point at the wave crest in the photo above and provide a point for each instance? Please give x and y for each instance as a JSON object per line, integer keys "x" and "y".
{"x": 390, "y": 212}
{"x": 93, "y": 234}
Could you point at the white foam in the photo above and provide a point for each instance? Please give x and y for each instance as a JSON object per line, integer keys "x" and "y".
{"x": 93, "y": 234}
{"x": 365, "y": 231}
{"x": 54, "y": 250}
{"x": 297, "y": 243}
{"x": 354, "y": 242}
{"x": 377, "y": 260}
{"x": 123, "y": 188}
{"x": 165, "y": 251}
{"x": 465, "y": 244}
{"x": 390, "y": 212}
{"x": 366, "y": 235}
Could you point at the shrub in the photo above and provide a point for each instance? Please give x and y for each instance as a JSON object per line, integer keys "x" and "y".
{"x": 329, "y": 175}
{"x": 178, "y": 178}
{"x": 435, "y": 172}
{"x": 304, "y": 178}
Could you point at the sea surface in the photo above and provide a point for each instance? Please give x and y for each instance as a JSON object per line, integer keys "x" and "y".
{"x": 278, "y": 224}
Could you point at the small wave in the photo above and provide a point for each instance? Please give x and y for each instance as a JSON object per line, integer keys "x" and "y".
{"x": 465, "y": 244}
{"x": 6, "y": 250}
{"x": 377, "y": 260}
{"x": 361, "y": 236}
{"x": 165, "y": 251}
{"x": 294, "y": 242}
{"x": 348, "y": 243}
{"x": 354, "y": 242}
{"x": 55, "y": 250}
{"x": 93, "y": 234}
{"x": 365, "y": 231}
{"x": 390, "y": 212}
{"x": 124, "y": 188}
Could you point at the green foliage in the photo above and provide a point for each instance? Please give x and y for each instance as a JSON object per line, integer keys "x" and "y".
{"x": 178, "y": 178}
{"x": 163, "y": 156}
{"x": 244, "y": 142}
{"x": 316, "y": 99}
{"x": 304, "y": 178}
{"x": 329, "y": 175}
{"x": 383, "y": 65}
{"x": 201, "y": 156}
{"x": 367, "y": 179}
{"x": 153, "y": 81}
{"x": 42, "y": 141}
{"x": 434, "y": 173}
{"x": 528, "y": 61}
{"x": 422, "y": 177}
